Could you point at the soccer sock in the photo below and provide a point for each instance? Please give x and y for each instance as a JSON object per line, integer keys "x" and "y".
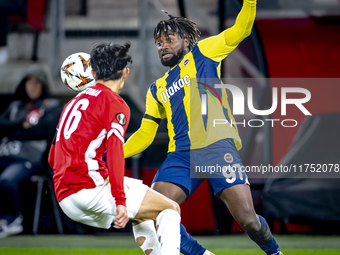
{"x": 146, "y": 238}
{"x": 189, "y": 245}
{"x": 264, "y": 238}
{"x": 168, "y": 231}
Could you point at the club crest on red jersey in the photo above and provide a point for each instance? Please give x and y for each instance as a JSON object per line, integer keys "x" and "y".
{"x": 120, "y": 117}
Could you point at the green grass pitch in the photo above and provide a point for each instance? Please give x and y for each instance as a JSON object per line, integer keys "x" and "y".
{"x": 60, "y": 251}
{"x": 114, "y": 245}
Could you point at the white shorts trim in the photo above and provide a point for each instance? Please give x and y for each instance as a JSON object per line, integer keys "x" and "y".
{"x": 97, "y": 207}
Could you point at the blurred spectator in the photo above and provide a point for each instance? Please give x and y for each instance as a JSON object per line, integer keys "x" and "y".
{"x": 8, "y": 7}
{"x": 27, "y": 128}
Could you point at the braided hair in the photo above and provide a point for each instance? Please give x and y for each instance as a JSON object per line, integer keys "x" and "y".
{"x": 183, "y": 26}
{"x": 108, "y": 60}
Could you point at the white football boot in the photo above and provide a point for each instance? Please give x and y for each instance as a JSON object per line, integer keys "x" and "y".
{"x": 11, "y": 229}
{"x": 208, "y": 253}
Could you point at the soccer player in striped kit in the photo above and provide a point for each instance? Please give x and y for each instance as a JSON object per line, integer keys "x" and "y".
{"x": 194, "y": 67}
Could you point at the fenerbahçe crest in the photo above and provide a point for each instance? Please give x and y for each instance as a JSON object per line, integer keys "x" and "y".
{"x": 121, "y": 118}
{"x": 228, "y": 158}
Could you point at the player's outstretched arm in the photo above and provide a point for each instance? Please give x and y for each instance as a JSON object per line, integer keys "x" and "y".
{"x": 243, "y": 25}
{"x": 144, "y": 136}
{"x": 141, "y": 139}
{"x": 116, "y": 165}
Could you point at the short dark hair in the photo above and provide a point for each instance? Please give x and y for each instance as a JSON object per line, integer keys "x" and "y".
{"x": 108, "y": 60}
{"x": 182, "y": 26}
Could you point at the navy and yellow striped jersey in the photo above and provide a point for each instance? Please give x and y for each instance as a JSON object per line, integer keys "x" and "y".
{"x": 178, "y": 94}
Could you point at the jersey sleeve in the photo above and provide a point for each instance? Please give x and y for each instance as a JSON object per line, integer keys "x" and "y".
{"x": 116, "y": 168}
{"x": 119, "y": 117}
{"x": 143, "y": 137}
{"x": 153, "y": 108}
{"x": 219, "y": 46}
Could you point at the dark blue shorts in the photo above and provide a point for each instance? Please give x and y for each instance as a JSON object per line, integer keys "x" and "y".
{"x": 219, "y": 163}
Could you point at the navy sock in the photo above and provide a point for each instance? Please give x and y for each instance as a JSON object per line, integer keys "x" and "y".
{"x": 189, "y": 246}
{"x": 264, "y": 238}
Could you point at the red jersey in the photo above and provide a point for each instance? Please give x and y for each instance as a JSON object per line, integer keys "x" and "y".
{"x": 93, "y": 122}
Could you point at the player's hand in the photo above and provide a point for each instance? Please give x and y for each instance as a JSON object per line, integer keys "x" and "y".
{"x": 121, "y": 217}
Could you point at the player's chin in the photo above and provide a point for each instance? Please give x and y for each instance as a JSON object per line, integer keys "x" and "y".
{"x": 169, "y": 61}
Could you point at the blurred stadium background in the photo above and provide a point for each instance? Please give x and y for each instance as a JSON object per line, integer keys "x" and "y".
{"x": 293, "y": 42}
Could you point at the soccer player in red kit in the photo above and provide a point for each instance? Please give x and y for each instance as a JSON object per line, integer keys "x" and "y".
{"x": 95, "y": 193}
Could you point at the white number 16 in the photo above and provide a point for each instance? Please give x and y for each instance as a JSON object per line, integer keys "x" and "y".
{"x": 74, "y": 118}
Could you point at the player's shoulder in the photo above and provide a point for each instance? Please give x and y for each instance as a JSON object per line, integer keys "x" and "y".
{"x": 92, "y": 92}
{"x": 119, "y": 100}
{"x": 158, "y": 85}
{"x": 116, "y": 102}
{"x": 160, "y": 82}
{"x": 208, "y": 39}
{"x": 153, "y": 85}
{"x": 98, "y": 92}
{"x": 211, "y": 43}
{"x": 100, "y": 97}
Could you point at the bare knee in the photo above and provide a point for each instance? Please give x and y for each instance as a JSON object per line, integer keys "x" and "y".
{"x": 177, "y": 208}
{"x": 174, "y": 206}
{"x": 170, "y": 190}
{"x": 250, "y": 222}
{"x": 170, "y": 205}
{"x": 243, "y": 212}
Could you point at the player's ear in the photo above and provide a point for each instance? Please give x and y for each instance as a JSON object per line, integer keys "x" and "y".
{"x": 186, "y": 42}
{"x": 126, "y": 72}
{"x": 93, "y": 74}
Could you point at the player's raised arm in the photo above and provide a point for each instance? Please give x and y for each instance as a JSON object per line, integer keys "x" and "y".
{"x": 218, "y": 47}
{"x": 243, "y": 25}
{"x": 144, "y": 136}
